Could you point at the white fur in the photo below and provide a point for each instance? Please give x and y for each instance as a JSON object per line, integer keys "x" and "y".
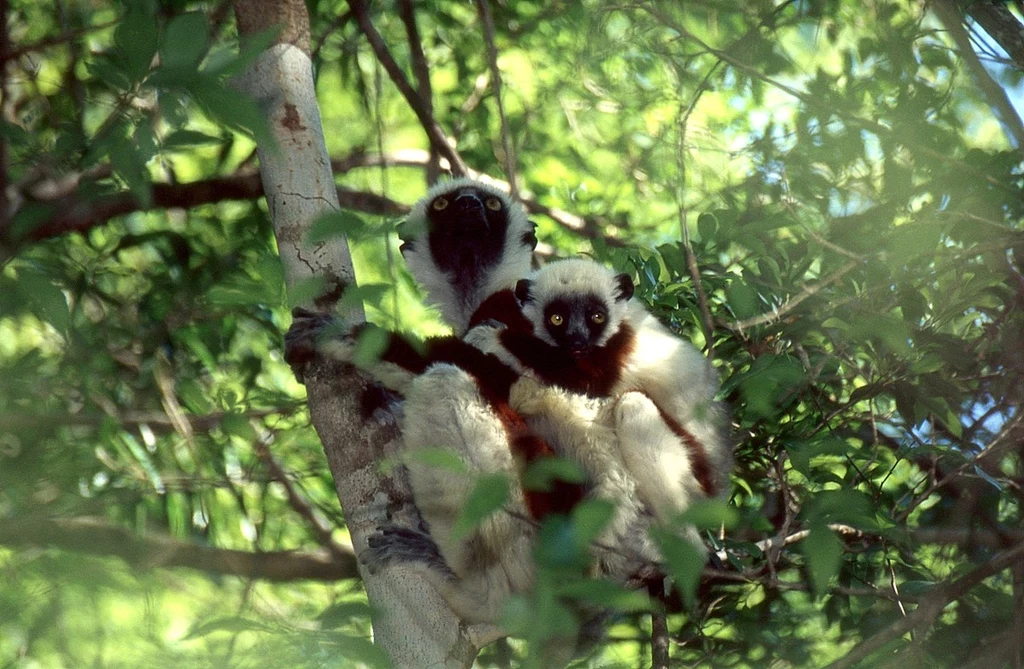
{"x": 386, "y": 373}
{"x": 662, "y": 367}
{"x": 575, "y": 276}
{"x": 581, "y": 429}
{"x": 444, "y": 409}
{"x": 514, "y": 264}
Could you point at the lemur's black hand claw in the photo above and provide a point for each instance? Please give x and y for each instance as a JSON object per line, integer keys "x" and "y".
{"x": 300, "y": 342}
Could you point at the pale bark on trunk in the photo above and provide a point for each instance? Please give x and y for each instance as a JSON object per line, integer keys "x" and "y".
{"x": 411, "y": 622}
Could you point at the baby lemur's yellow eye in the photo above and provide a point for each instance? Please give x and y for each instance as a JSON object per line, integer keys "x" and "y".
{"x": 493, "y": 203}
{"x": 440, "y": 203}
{"x": 598, "y": 317}
{"x": 556, "y": 319}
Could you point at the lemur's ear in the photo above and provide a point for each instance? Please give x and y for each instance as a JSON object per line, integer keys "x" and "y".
{"x": 530, "y": 238}
{"x": 624, "y": 284}
{"x": 523, "y": 291}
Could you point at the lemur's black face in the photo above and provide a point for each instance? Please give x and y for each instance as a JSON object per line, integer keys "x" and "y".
{"x": 576, "y": 322}
{"x": 466, "y": 230}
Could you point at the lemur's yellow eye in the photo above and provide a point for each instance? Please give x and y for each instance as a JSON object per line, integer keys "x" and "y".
{"x": 493, "y": 203}
{"x": 598, "y": 317}
{"x": 556, "y": 319}
{"x": 440, "y": 203}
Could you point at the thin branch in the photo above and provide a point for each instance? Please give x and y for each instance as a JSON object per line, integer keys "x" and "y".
{"x": 75, "y": 213}
{"x": 721, "y": 576}
{"x": 1002, "y": 26}
{"x": 422, "y": 72}
{"x": 706, "y": 320}
{"x": 1000, "y": 443}
{"x": 659, "y": 641}
{"x": 949, "y": 13}
{"x": 492, "y": 60}
{"x": 931, "y": 606}
{"x": 793, "y": 302}
{"x": 97, "y": 537}
{"x": 323, "y": 531}
{"x": 434, "y": 132}
{"x": 813, "y": 103}
{"x": 153, "y": 419}
{"x": 5, "y": 45}
{"x": 8, "y": 55}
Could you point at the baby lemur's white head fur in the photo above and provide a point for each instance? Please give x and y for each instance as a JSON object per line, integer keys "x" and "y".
{"x": 465, "y": 241}
{"x": 575, "y": 304}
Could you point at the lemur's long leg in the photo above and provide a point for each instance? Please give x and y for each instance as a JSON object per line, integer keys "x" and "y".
{"x": 445, "y": 409}
{"x": 655, "y": 455}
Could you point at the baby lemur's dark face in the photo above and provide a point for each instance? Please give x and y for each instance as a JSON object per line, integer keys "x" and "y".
{"x": 576, "y": 322}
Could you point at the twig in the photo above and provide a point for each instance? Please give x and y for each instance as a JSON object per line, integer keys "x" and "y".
{"x": 73, "y": 213}
{"x": 8, "y": 55}
{"x": 950, "y": 15}
{"x": 812, "y": 103}
{"x": 324, "y": 532}
{"x": 659, "y": 641}
{"x": 1002, "y": 26}
{"x": 492, "y": 58}
{"x": 706, "y": 320}
{"x": 998, "y": 444}
{"x": 5, "y": 45}
{"x": 931, "y": 606}
{"x": 895, "y": 588}
{"x": 793, "y": 302}
{"x": 434, "y": 132}
{"x": 422, "y": 72}
{"x": 97, "y": 537}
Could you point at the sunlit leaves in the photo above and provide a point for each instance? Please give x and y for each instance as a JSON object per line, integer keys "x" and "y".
{"x": 488, "y": 495}
{"x": 852, "y": 229}
{"x": 823, "y": 552}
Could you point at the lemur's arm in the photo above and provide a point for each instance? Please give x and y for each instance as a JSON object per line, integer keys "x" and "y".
{"x": 400, "y": 361}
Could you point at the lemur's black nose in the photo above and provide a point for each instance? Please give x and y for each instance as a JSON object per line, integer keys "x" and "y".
{"x": 470, "y": 210}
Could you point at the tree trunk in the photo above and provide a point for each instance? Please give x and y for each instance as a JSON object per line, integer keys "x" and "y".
{"x": 411, "y": 621}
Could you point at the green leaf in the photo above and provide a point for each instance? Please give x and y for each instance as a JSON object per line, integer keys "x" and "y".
{"x": 194, "y": 397}
{"x": 606, "y": 595}
{"x": 589, "y": 519}
{"x": 240, "y": 426}
{"x": 709, "y": 514}
{"x": 770, "y": 384}
{"x": 186, "y": 139}
{"x": 371, "y": 294}
{"x": 306, "y": 291}
{"x": 441, "y": 458}
{"x": 130, "y": 165}
{"x": 142, "y": 458}
{"x": 343, "y": 613}
{"x": 370, "y": 346}
{"x": 488, "y": 496}
{"x": 342, "y": 223}
{"x": 543, "y": 472}
{"x": 685, "y": 561}
{"x": 707, "y": 226}
{"x": 824, "y": 553}
{"x": 186, "y": 38}
{"x": 743, "y": 299}
{"x": 229, "y": 107}
{"x": 45, "y": 299}
{"x": 359, "y": 650}
{"x": 231, "y": 624}
{"x": 136, "y": 39}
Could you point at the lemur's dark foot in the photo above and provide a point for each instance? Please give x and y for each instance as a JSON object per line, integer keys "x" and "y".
{"x": 400, "y": 544}
{"x": 304, "y": 340}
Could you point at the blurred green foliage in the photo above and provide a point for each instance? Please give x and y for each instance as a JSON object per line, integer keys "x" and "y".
{"x": 853, "y": 203}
